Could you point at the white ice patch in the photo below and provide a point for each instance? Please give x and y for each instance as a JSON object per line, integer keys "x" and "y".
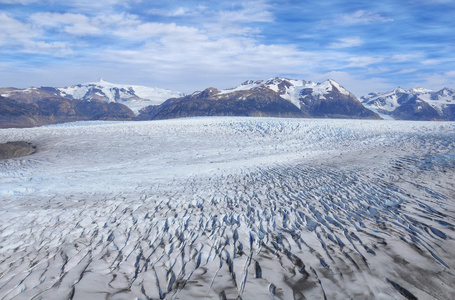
{"x": 242, "y": 87}
{"x": 75, "y": 91}
{"x": 326, "y": 87}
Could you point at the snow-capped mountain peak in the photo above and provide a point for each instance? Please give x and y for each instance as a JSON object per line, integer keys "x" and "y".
{"x": 273, "y": 97}
{"x": 288, "y": 89}
{"x": 328, "y": 86}
{"x": 291, "y": 89}
{"x": 398, "y": 90}
{"x": 418, "y": 90}
{"x": 134, "y": 96}
{"x": 245, "y": 86}
{"x": 446, "y": 92}
{"x": 403, "y": 104}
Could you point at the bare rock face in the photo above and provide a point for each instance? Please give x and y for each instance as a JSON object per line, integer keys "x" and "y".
{"x": 16, "y": 149}
{"x": 53, "y": 110}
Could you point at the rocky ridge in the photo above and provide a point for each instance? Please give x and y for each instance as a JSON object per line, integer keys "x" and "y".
{"x": 278, "y": 97}
{"x": 414, "y": 104}
{"x": 133, "y": 96}
{"x": 57, "y": 109}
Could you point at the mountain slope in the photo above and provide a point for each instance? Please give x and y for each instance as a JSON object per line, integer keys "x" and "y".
{"x": 211, "y": 102}
{"x": 134, "y": 96}
{"x": 278, "y": 97}
{"x": 413, "y": 104}
{"x": 58, "y": 110}
{"x": 30, "y": 95}
{"x": 330, "y": 100}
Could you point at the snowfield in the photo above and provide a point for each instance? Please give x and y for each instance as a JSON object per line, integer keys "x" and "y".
{"x": 221, "y": 208}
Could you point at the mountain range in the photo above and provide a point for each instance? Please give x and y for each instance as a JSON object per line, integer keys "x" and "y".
{"x": 277, "y": 97}
{"x": 414, "y": 104}
{"x": 133, "y": 96}
{"x": 99, "y": 100}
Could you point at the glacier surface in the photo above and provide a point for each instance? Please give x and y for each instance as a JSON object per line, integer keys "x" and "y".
{"x": 226, "y": 208}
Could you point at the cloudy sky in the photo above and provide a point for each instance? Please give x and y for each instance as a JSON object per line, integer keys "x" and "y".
{"x": 190, "y": 45}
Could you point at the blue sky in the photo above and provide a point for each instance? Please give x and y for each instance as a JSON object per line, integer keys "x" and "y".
{"x": 189, "y": 45}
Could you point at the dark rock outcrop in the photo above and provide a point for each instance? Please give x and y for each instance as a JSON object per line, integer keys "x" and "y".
{"x": 16, "y": 149}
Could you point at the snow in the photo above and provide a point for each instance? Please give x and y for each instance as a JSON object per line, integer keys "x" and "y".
{"x": 292, "y": 92}
{"x": 383, "y": 116}
{"x": 243, "y": 87}
{"x": 444, "y": 97}
{"x": 74, "y": 91}
{"x": 391, "y": 103}
{"x": 147, "y": 95}
{"x": 326, "y": 87}
{"x": 225, "y": 207}
{"x": 419, "y": 90}
{"x": 388, "y": 101}
{"x": 292, "y": 89}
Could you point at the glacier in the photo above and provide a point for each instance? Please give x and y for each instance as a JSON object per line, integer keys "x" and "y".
{"x": 230, "y": 208}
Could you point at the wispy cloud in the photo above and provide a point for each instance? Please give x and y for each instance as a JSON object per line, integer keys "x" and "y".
{"x": 178, "y": 11}
{"x": 16, "y": 34}
{"x": 347, "y": 42}
{"x": 436, "y": 80}
{"x": 251, "y": 11}
{"x": 361, "y": 17}
{"x": 437, "y": 61}
{"x": 84, "y": 5}
{"x": 57, "y": 48}
{"x": 407, "y": 57}
{"x": 433, "y": 1}
{"x": 406, "y": 71}
{"x": 244, "y": 12}
{"x": 21, "y": 2}
{"x": 364, "y": 61}
{"x": 164, "y": 31}
{"x": 126, "y": 26}
{"x": 75, "y": 24}
{"x": 13, "y": 30}
{"x": 99, "y": 6}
